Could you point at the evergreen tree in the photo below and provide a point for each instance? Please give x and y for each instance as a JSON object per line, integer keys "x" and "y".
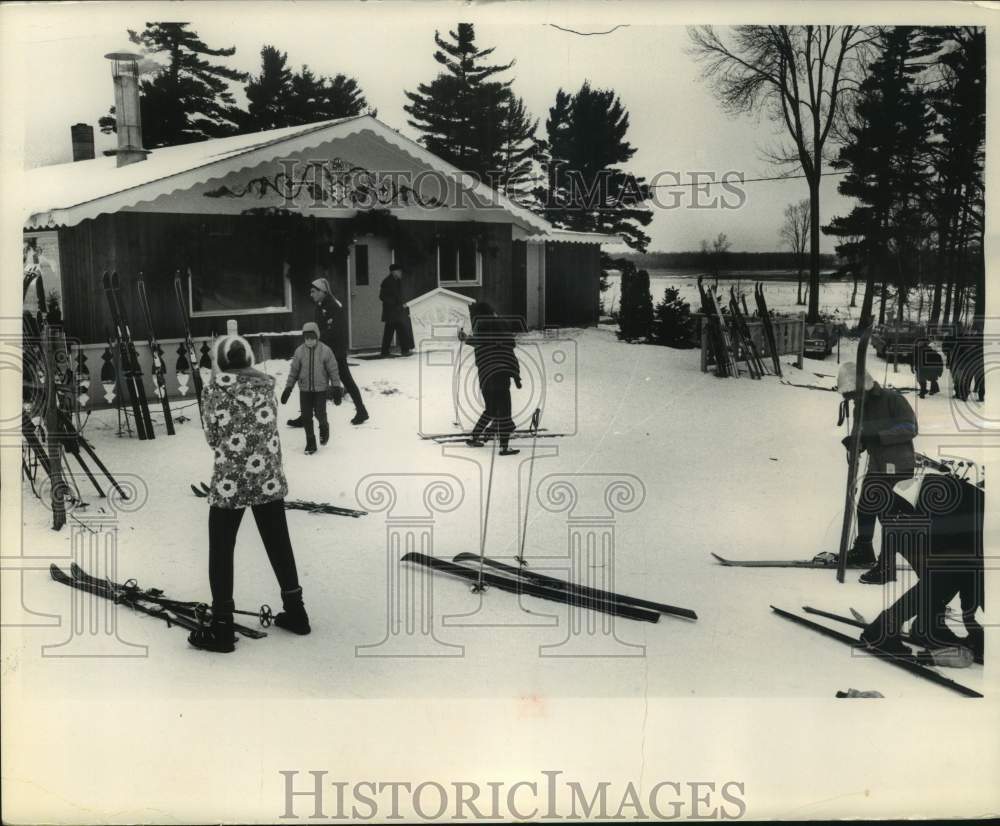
{"x": 268, "y": 92}
{"x": 586, "y": 189}
{"x": 674, "y": 322}
{"x": 635, "y": 316}
{"x": 886, "y": 158}
{"x": 470, "y": 118}
{"x": 189, "y": 99}
{"x": 280, "y": 98}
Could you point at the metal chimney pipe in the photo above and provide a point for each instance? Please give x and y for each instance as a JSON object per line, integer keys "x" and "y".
{"x": 82, "y": 135}
{"x": 125, "y": 72}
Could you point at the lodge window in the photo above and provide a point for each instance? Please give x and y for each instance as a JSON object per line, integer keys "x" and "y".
{"x": 361, "y": 275}
{"x": 459, "y": 262}
{"x": 240, "y": 269}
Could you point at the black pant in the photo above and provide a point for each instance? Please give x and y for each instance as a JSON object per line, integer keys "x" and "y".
{"x": 923, "y": 386}
{"x": 927, "y": 600}
{"x": 401, "y": 331}
{"x": 346, "y": 379}
{"x": 496, "y": 395}
{"x": 313, "y": 403}
{"x": 876, "y": 500}
{"x": 224, "y": 523}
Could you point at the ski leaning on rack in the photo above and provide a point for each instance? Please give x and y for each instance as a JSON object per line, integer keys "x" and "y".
{"x": 752, "y": 357}
{"x": 528, "y": 575}
{"x": 190, "y": 356}
{"x": 520, "y": 586}
{"x": 159, "y": 368}
{"x": 854, "y": 458}
{"x": 827, "y": 561}
{"x": 128, "y": 358}
{"x": 765, "y": 320}
{"x": 716, "y": 334}
{"x": 202, "y": 490}
{"x": 190, "y": 615}
{"x": 908, "y": 663}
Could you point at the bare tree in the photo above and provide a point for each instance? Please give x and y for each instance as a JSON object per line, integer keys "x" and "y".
{"x": 713, "y": 255}
{"x": 795, "y": 233}
{"x": 797, "y": 75}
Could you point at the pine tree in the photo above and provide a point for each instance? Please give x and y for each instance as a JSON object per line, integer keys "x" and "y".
{"x": 886, "y": 158}
{"x": 635, "y": 319}
{"x": 189, "y": 99}
{"x": 674, "y": 322}
{"x": 268, "y": 91}
{"x": 587, "y": 191}
{"x": 470, "y": 118}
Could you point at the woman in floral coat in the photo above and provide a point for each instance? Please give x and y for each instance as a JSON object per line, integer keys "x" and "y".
{"x": 240, "y": 415}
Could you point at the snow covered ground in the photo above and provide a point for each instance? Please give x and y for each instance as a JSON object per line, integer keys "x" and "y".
{"x": 738, "y": 467}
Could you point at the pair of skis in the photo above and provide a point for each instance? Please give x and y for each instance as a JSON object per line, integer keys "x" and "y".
{"x": 202, "y": 491}
{"x": 518, "y": 580}
{"x": 128, "y": 358}
{"x": 912, "y": 662}
{"x": 765, "y": 319}
{"x": 755, "y": 366}
{"x": 152, "y": 601}
{"x": 826, "y": 561}
{"x": 718, "y": 336}
{"x": 188, "y": 359}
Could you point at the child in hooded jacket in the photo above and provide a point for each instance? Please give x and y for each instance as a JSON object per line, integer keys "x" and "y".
{"x": 314, "y": 369}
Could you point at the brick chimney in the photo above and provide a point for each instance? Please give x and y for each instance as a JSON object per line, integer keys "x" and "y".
{"x": 125, "y": 73}
{"x": 82, "y": 135}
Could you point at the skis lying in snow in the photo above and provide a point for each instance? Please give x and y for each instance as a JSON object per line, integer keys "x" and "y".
{"x": 826, "y": 561}
{"x": 525, "y": 574}
{"x": 442, "y": 438}
{"x": 202, "y": 490}
{"x": 189, "y": 615}
{"x": 808, "y": 386}
{"x": 520, "y": 586}
{"x": 908, "y": 663}
{"x": 948, "y": 656}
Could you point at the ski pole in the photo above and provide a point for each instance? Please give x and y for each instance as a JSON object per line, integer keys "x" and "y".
{"x": 478, "y": 587}
{"x": 535, "y": 419}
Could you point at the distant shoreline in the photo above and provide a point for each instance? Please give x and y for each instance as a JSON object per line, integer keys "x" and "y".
{"x": 733, "y": 275}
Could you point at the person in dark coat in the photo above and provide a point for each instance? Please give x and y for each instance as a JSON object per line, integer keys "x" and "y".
{"x": 928, "y": 364}
{"x": 888, "y": 428}
{"x": 497, "y": 365}
{"x": 939, "y": 519}
{"x": 240, "y": 415}
{"x": 394, "y": 312}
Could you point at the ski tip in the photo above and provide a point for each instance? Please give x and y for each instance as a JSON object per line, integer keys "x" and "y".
{"x": 465, "y": 556}
{"x": 54, "y": 570}
{"x": 721, "y": 559}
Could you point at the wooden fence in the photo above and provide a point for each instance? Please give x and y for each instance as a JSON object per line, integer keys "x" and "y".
{"x": 789, "y": 338}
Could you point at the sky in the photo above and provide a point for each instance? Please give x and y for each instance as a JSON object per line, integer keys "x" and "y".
{"x": 676, "y": 125}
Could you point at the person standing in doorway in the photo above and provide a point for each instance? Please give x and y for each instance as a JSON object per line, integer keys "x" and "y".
{"x": 394, "y": 313}
{"x": 331, "y": 319}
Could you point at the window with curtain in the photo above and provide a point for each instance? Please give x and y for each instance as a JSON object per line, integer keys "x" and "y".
{"x": 459, "y": 262}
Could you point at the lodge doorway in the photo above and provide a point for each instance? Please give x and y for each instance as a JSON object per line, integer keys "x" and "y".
{"x": 369, "y": 264}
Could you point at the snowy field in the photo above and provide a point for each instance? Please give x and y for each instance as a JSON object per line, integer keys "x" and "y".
{"x": 834, "y": 299}
{"x": 737, "y": 467}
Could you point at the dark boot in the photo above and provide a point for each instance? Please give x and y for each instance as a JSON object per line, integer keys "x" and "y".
{"x": 880, "y": 643}
{"x": 324, "y": 433}
{"x": 862, "y": 555}
{"x": 881, "y": 572}
{"x": 297, "y": 422}
{"x": 360, "y": 417}
{"x": 217, "y": 637}
{"x": 938, "y": 635}
{"x": 293, "y": 618}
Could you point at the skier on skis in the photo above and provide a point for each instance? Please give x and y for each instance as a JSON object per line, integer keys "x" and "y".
{"x": 241, "y": 427}
{"x": 314, "y": 369}
{"x": 332, "y": 322}
{"x": 496, "y": 364}
{"x": 888, "y": 428}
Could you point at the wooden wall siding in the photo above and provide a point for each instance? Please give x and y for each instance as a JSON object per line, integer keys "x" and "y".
{"x": 572, "y": 284}
{"x": 519, "y": 280}
{"x": 157, "y": 244}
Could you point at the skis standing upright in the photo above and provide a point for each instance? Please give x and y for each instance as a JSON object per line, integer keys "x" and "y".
{"x": 159, "y": 368}
{"x": 189, "y": 352}
{"x": 855, "y": 454}
{"x": 128, "y": 357}
{"x": 752, "y": 357}
{"x": 765, "y": 320}
{"x": 716, "y": 334}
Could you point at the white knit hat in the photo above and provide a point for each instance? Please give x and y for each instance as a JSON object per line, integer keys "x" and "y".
{"x": 848, "y": 376}
{"x": 224, "y": 345}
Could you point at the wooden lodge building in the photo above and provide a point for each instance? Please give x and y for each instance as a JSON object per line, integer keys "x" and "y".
{"x": 249, "y": 221}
